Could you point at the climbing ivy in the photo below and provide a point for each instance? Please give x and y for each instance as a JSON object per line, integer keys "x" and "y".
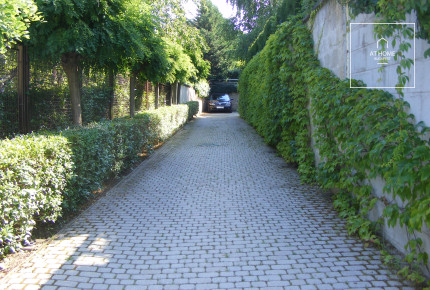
{"x": 360, "y": 134}
{"x": 272, "y": 106}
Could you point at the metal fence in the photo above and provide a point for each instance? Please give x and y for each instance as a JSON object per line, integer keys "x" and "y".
{"x": 45, "y": 103}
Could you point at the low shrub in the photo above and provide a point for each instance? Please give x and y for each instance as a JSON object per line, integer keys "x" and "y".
{"x": 193, "y": 109}
{"x": 167, "y": 120}
{"x": 44, "y": 175}
{"x": 106, "y": 149}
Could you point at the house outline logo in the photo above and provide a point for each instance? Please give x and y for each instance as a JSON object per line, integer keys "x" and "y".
{"x": 377, "y": 56}
{"x": 382, "y": 39}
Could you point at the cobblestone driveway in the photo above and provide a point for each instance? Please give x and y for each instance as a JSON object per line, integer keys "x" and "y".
{"x": 213, "y": 208}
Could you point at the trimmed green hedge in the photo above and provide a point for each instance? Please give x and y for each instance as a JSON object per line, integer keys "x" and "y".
{"x": 166, "y": 120}
{"x": 193, "y": 109}
{"x": 43, "y": 175}
{"x": 34, "y": 172}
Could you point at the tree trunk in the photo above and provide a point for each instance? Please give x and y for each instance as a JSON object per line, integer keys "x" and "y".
{"x": 140, "y": 94}
{"x": 147, "y": 94}
{"x": 70, "y": 64}
{"x": 111, "y": 86}
{"x": 132, "y": 93}
{"x": 169, "y": 96}
{"x": 157, "y": 95}
{"x": 175, "y": 93}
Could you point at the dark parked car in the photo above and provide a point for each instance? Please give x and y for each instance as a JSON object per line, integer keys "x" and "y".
{"x": 219, "y": 102}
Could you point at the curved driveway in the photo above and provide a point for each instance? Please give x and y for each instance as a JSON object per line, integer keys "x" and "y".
{"x": 213, "y": 208}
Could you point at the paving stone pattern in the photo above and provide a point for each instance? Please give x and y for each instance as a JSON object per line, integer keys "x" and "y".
{"x": 214, "y": 208}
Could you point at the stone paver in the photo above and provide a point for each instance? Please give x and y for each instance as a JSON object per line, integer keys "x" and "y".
{"x": 213, "y": 208}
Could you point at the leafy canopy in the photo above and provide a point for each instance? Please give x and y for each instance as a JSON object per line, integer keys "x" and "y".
{"x": 15, "y": 19}
{"x": 99, "y": 31}
{"x": 221, "y": 38}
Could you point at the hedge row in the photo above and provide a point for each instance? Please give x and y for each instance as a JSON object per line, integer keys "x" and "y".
{"x": 193, "y": 109}
{"x": 359, "y": 133}
{"x": 44, "y": 175}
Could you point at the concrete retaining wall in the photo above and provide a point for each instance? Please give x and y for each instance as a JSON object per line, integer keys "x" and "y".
{"x": 187, "y": 94}
{"x": 331, "y": 34}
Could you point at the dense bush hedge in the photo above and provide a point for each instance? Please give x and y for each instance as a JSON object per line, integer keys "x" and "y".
{"x": 166, "y": 120}
{"x": 193, "y": 109}
{"x": 43, "y": 175}
{"x": 359, "y": 134}
{"x": 34, "y": 172}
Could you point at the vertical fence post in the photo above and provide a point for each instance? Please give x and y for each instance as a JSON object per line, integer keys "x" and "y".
{"x": 169, "y": 95}
{"x": 147, "y": 94}
{"x": 132, "y": 93}
{"x": 178, "y": 99}
{"x": 23, "y": 85}
{"x": 175, "y": 95}
{"x": 157, "y": 95}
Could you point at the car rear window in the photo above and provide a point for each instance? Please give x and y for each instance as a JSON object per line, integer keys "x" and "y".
{"x": 220, "y": 97}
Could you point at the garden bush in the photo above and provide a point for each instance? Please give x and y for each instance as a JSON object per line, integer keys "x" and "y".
{"x": 167, "y": 120}
{"x": 193, "y": 109}
{"x": 104, "y": 150}
{"x": 44, "y": 175}
{"x": 34, "y": 171}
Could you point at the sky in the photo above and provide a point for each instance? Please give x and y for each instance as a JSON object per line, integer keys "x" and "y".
{"x": 225, "y": 8}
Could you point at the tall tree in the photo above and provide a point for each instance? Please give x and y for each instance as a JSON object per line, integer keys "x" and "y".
{"x": 220, "y": 36}
{"x": 260, "y": 19}
{"x": 184, "y": 42}
{"x": 253, "y": 13}
{"x": 81, "y": 30}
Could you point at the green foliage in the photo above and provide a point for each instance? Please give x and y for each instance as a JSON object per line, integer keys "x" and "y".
{"x": 15, "y": 19}
{"x": 34, "y": 171}
{"x": 223, "y": 87}
{"x": 202, "y": 88}
{"x": 102, "y": 151}
{"x": 255, "y": 13}
{"x": 181, "y": 66}
{"x": 221, "y": 38}
{"x": 88, "y": 28}
{"x": 395, "y": 11}
{"x": 269, "y": 103}
{"x": 185, "y": 45}
{"x": 167, "y": 120}
{"x": 45, "y": 175}
{"x": 359, "y": 133}
{"x": 363, "y": 6}
{"x": 193, "y": 109}
{"x": 260, "y": 19}
{"x": 283, "y": 10}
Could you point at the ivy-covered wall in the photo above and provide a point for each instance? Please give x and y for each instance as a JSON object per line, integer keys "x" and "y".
{"x": 359, "y": 134}
{"x": 330, "y": 28}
